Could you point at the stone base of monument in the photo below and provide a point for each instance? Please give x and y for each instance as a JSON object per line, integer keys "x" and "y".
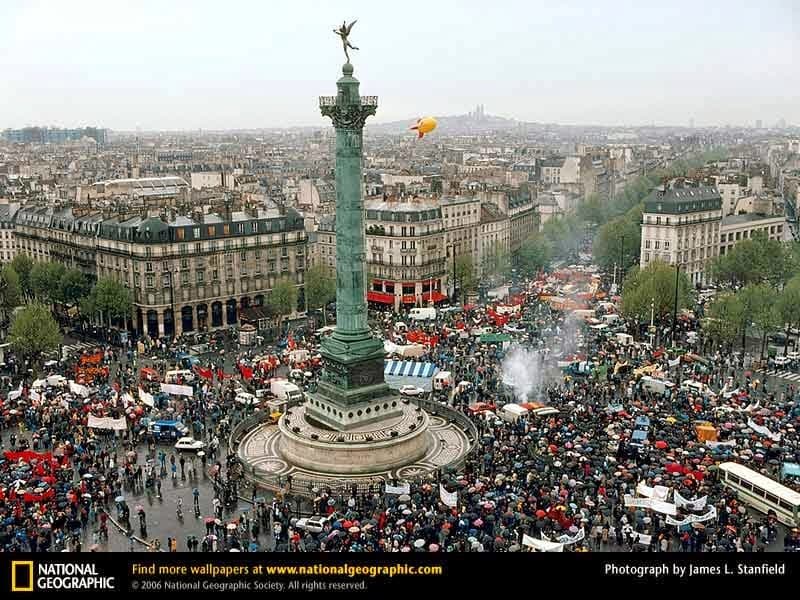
{"x": 381, "y": 445}
{"x": 300, "y": 454}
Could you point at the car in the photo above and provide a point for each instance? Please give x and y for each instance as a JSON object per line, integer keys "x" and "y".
{"x": 246, "y": 398}
{"x": 411, "y": 390}
{"x": 782, "y": 361}
{"x": 189, "y": 443}
{"x": 312, "y": 524}
{"x": 793, "y": 356}
{"x": 481, "y": 407}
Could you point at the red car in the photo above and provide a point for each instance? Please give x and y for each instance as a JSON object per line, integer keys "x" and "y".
{"x": 481, "y": 407}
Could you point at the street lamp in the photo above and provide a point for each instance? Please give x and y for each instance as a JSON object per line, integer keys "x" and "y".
{"x": 675, "y": 308}
{"x": 652, "y": 329}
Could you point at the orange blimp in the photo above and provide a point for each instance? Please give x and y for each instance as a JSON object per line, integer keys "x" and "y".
{"x": 424, "y": 125}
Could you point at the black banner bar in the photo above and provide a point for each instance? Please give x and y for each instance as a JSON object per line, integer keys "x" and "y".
{"x": 369, "y": 573}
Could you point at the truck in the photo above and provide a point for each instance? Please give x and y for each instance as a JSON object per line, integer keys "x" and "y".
{"x": 285, "y": 390}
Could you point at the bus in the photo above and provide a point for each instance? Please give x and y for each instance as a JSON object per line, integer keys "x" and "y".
{"x": 761, "y": 492}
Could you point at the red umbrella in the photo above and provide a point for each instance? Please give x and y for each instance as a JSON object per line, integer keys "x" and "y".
{"x": 661, "y": 444}
{"x": 540, "y": 513}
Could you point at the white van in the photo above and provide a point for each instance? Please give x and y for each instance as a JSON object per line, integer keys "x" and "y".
{"x": 442, "y": 380}
{"x": 610, "y": 319}
{"x": 513, "y": 412}
{"x": 696, "y": 387}
{"x": 427, "y": 313}
{"x": 656, "y": 386}
{"x": 624, "y": 339}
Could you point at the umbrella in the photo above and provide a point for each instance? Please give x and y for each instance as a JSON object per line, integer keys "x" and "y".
{"x": 209, "y": 520}
{"x": 217, "y": 522}
{"x": 88, "y": 476}
{"x": 404, "y": 498}
{"x": 354, "y": 529}
{"x": 232, "y": 526}
{"x": 419, "y": 543}
{"x": 119, "y": 499}
{"x": 433, "y": 547}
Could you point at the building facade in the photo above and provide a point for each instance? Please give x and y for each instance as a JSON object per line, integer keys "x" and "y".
{"x": 743, "y": 227}
{"x": 681, "y": 225}
{"x": 187, "y": 272}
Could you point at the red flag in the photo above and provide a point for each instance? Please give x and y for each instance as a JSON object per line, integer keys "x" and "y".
{"x": 247, "y": 372}
{"x": 290, "y": 342}
{"x": 204, "y": 373}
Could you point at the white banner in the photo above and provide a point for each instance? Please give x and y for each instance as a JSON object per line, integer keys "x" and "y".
{"x": 711, "y": 514}
{"x": 78, "y": 389}
{"x": 642, "y": 538}
{"x": 146, "y": 398}
{"x": 177, "y": 390}
{"x": 127, "y": 399}
{"x": 658, "y": 492}
{"x": 712, "y": 444}
{"x": 698, "y": 504}
{"x": 448, "y": 498}
{"x": 398, "y": 489}
{"x": 541, "y": 545}
{"x": 761, "y": 430}
{"x": 34, "y": 395}
{"x": 107, "y": 423}
{"x": 675, "y": 363}
{"x": 567, "y": 540}
{"x": 656, "y": 505}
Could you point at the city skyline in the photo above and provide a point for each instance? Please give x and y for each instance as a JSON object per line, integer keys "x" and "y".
{"x": 168, "y": 68}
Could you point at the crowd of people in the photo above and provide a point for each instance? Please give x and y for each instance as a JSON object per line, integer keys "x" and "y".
{"x": 558, "y": 482}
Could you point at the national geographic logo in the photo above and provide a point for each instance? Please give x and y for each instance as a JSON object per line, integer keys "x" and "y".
{"x": 27, "y": 576}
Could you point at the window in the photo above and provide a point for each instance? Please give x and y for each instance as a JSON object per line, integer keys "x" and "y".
{"x": 184, "y": 248}
{"x": 647, "y": 244}
{"x": 228, "y": 244}
{"x": 150, "y": 281}
{"x": 658, "y": 244}
{"x": 148, "y": 267}
{"x": 666, "y": 245}
{"x": 148, "y": 252}
{"x": 240, "y": 228}
{"x": 215, "y": 275}
{"x": 179, "y": 233}
{"x": 226, "y": 229}
{"x": 196, "y": 233}
{"x": 198, "y": 248}
{"x": 185, "y": 278}
{"x": 184, "y": 263}
{"x": 646, "y": 257}
{"x": 229, "y": 258}
{"x": 254, "y": 227}
{"x": 212, "y": 230}
{"x": 200, "y": 276}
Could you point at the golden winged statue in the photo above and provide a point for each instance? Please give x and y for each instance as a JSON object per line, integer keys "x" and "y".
{"x": 343, "y": 32}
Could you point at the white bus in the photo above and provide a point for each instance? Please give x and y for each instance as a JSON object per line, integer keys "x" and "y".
{"x": 761, "y": 492}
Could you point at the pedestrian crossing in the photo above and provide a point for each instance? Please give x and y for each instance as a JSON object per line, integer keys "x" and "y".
{"x": 77, "y": 348}
{"x": 788, "y": 375}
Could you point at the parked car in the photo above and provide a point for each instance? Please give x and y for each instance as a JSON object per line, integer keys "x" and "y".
{"x": 782, "y": 361}
{"x": 312, "y": 524}
{"x": 189, "y": 443}
{"x": 411, "y": 390}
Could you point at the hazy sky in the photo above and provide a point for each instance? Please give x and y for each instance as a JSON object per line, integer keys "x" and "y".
{"x": 174, "y": 64}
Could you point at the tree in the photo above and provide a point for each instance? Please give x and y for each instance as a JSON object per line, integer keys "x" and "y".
{"x": 320, "y": 288}
{"x": 22, "y": 264}
{"x": 592, "y": 210}
{"x": 465, "y": 274}
{"x": 497, "y": 263}
{"x": 74, "y": 286}
{"x": 282, "y": 298}
{"x": 654, "y": 284}
{"x": 34, "y": 332}
{"x": 723, "y": 324}
{"x": 534, "y": 255}
{"x": 45, "y": 281}
{"x": 754, "y": 260}
{"x": 564, "y": 236}
{"x": 787, "y": 305}
{"x": 109, "y": 298}
{"x": 618, "y": 241}
{"x": 10, "y": 291}
{"x": 757, "y": 304}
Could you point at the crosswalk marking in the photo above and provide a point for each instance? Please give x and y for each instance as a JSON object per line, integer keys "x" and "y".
{"x": 79, "y": 347}
{"x": 789, "y": 375}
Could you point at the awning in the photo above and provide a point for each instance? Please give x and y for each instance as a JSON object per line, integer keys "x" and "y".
{"x": 380, "y": 297}
{"x": 409, "y": 299}
{"x": 408, "y": 368}
{"x": 437, "y": 296}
